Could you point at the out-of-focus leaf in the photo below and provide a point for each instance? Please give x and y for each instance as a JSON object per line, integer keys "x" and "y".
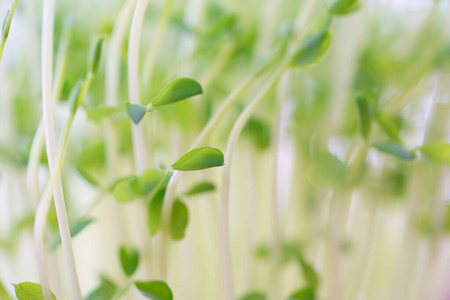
{"x": 199, "y": 188}
{"x": 254, "y": 296}
{"x": 312, "y": 50}
{"x": 154, "y": 211}
{"x": 303, "y": 294}
{"x": 364, "y": 115}
{"x": 389, "y": 126}
{"x": 127, "y": 190}
{"x": 438, "y": 151}
{"x": 129, "y": 259}
{"x": 395, "y": 149}
{"x": 29, "y": 291}
{"x": 179, "y": 220}
{"x": 105, "y": 291}
{"x": 75, "y": 228}
{"x": 155, "y": 290}
{"x": 343, "y": 7}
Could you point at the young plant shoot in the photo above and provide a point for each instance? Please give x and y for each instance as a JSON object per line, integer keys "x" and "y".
{"x": 226, "y": 150}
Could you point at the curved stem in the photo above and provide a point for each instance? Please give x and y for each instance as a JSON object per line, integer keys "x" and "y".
{"x": 154, "y": 50}
{"x": 5, "y": 30}
{"x": 133, "y": 83}
{"x": 226, "y": 175}
{"x": 48, "y": 18}
{"x": 38, "y": 141}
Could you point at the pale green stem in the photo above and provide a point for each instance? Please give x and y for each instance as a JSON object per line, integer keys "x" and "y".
{"x": 140, "y": 156}
{"x": 218, "y": 66}
{"x": 5, "y": 33}
{"x": 38, "y": 141}
{"x": 283, "y": 95}
{"x": 48, "y": 18}
{"x": 226, "y": 176}
{"x": 44, "y": 203}
{"x": 156, "y": 45}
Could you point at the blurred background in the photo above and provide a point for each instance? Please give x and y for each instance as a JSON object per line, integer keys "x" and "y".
{"x": 370, "y": 224}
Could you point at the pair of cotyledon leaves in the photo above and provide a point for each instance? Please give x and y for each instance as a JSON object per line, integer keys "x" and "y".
{"x": 197, "y": 159}
{"x": 438, "y": 151}
{"x": 156, "y": 290}
{"x": 177, "y": 90}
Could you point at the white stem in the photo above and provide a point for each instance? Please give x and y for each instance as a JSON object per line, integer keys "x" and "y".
{"x": 48, "y": 15}
{"x": 133, "y": 83}
{"x": 226, "y": 175}
{"x": 283, "y": 94}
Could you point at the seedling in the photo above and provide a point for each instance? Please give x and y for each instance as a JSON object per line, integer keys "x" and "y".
{"x": 334, "y": 131}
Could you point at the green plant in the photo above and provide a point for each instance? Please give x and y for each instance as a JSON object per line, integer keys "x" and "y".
{"x": 332, "y": 116}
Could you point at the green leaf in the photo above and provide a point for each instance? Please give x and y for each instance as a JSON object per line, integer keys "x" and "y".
{"x": 260, "y": 132}
{"x": 438, "y": 151}
{"x": 129, "y": 258}
{"x": 395, "y": 149}
{"x": 177, "y": 90}
{"x": 99, "y": 113}
{"x": 201, "y": 187}
{"x": 329, "y": 169}
{"x": 154, "y": 212}
{"x": 75, "y": 228}
{"x": 179, "y": 220}
{"x": 95, "y": 57}
{"x": 106, "y": 290}
{"x": 199, "y": 159}
{"x": 254, "y": 296}
{"x": 389, "y": 126}
{"x": 127, "y": 190}
{"x": 364, "y": 115}
{"x": 6, "y": 22}
{"x": 87, "y": 176}
{"x": 156, "y": 290}
{"x": 303, "y": 294}
{"x": 312, "y": 50}
{"x": 343, "y": 7}
{"x": 29, "y": 291}
{"x": 309, "y": 273}
{"x": 136, "y": 112}
{"x": 150, "y": 180}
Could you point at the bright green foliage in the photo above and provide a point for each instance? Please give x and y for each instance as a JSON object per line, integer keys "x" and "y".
{"x": 312, "y": 50}
{"x": 395, "y": 149}
{"x": 129, "y": 259}
{"x": 6, "y": 24}
{"x": 127, "y": 190}
{"x": 308, "y": 272}
{"x": 343, "y": 7}
{"x": 29, "y": 291}
{"x": 199, "y": 159}
{"x": 179, "y": 220}
{"x": 136, "y": 112}
{"x": 105, "y": 291}
{"x": 154, "y": 211}
{"x": 199, "y": 188}
{"x": 99, "y": 113}
{"x": 95, "y": 57}
{"x": 364, "y": 116}
{"x": 259, "y": 131}
{"x": 389, "y": 125}
{"x": 438, "y": 151}
{"x": 303, "y": 294}
{"x": 254, "y": 296}
{"x": 150, "y": 180}
{"x": 328, "y": 168}
{"x": 75, "y": 228}
{"x": 156, "y": 290}
{"x": 177, "y": 90}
